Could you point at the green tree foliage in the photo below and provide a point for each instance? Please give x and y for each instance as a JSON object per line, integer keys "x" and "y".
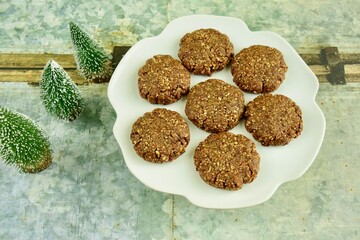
{"x": 22, "y": 142}
{"x": 60, "y": 95}
{"x": 91, "y": 59}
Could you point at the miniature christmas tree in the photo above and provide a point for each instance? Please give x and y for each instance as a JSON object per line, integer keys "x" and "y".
{"x": 22, "y": 143}
{"x": 91, "y": 59}
{"x": 60, "y": 95}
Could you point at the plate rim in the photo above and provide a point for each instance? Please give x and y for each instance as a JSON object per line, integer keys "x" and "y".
{"x": 316, "y": 107}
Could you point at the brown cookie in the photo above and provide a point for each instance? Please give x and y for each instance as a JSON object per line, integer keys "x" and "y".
{"x": 215, "y": 105}
{"x": 226, "y": 160}
{"x": 205, "y": 51}
{"x": 258, "y": 69}
{"x": 163, "y": 80}
{"x": 273, "y": 119}
{"x": 160, "y": 136}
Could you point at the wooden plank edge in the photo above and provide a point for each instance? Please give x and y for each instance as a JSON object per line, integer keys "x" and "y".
{"x": 35, "y": 61}
{"x": 67, "y": 61}
{"x": 346, "y": 58}
{"x": 33, "y": 76}
{"x": 352, "y": 74}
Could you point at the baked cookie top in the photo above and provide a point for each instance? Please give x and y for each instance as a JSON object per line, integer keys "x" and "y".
{"x": 205, "y": 51}
{"x": 160, "y": 136}
{"x": 258, "y": 69}
{"x": 214, "y": 105}
{"x": 273, "y": 119}
{"x": 226, "y": 160}
{"x": 163, "y": 80}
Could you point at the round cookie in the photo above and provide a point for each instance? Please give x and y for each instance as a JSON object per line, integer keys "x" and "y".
{"x": 273, "y": 119}
{"x": 214, "y": 105}
{"x": 205, "y": 51}
{"x": 160, "y": 136}
{"x": 163, "y": 80}
{"x": 258, "y": 69}
{"x": 226, "y": 160}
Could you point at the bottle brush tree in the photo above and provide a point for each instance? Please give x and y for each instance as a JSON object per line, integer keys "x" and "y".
{"x": 60, "y": 95}
{"x": 91, "y": 59}
{"x": 22, "y": 142}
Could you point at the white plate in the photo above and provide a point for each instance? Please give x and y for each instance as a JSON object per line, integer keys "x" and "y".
{"x": 277, "y": 164}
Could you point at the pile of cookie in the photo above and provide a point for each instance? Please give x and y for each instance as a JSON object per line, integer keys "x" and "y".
{"x": 224, "y": 160}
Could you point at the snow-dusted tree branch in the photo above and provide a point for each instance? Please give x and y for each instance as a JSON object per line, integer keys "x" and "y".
{"x": 60, "y": 95}
{"x": 22, "y": 143}
{"x": 91, "y": 59}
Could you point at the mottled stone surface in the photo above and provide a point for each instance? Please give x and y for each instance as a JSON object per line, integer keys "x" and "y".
{"x": 88, "y": 192}
{"x": 38, "y": 26}
{"x": 306, "y": 25}
{"x": 42, "y": 26}
{"x": 323, "y": 204}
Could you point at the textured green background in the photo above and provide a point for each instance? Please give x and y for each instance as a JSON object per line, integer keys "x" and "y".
{"x": 88, "y": 192}
{"x": 42, "y": 25}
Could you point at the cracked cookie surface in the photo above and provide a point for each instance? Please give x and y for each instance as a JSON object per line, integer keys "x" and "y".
{"x": 160, "y": 136}
{"x": 226, "y": 160}
{"x": 205, "y": 51}
{"x": 163, "y": 80}
{"x": 214, "y": 105}
{"x": 273, "y": 119}
{"x": 258, "y": 69}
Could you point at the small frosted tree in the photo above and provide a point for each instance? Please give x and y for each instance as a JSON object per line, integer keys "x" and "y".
{"x": 91, "y": 59}
{"x": 22, "y": 142}
{"x": 60, "y": 95}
